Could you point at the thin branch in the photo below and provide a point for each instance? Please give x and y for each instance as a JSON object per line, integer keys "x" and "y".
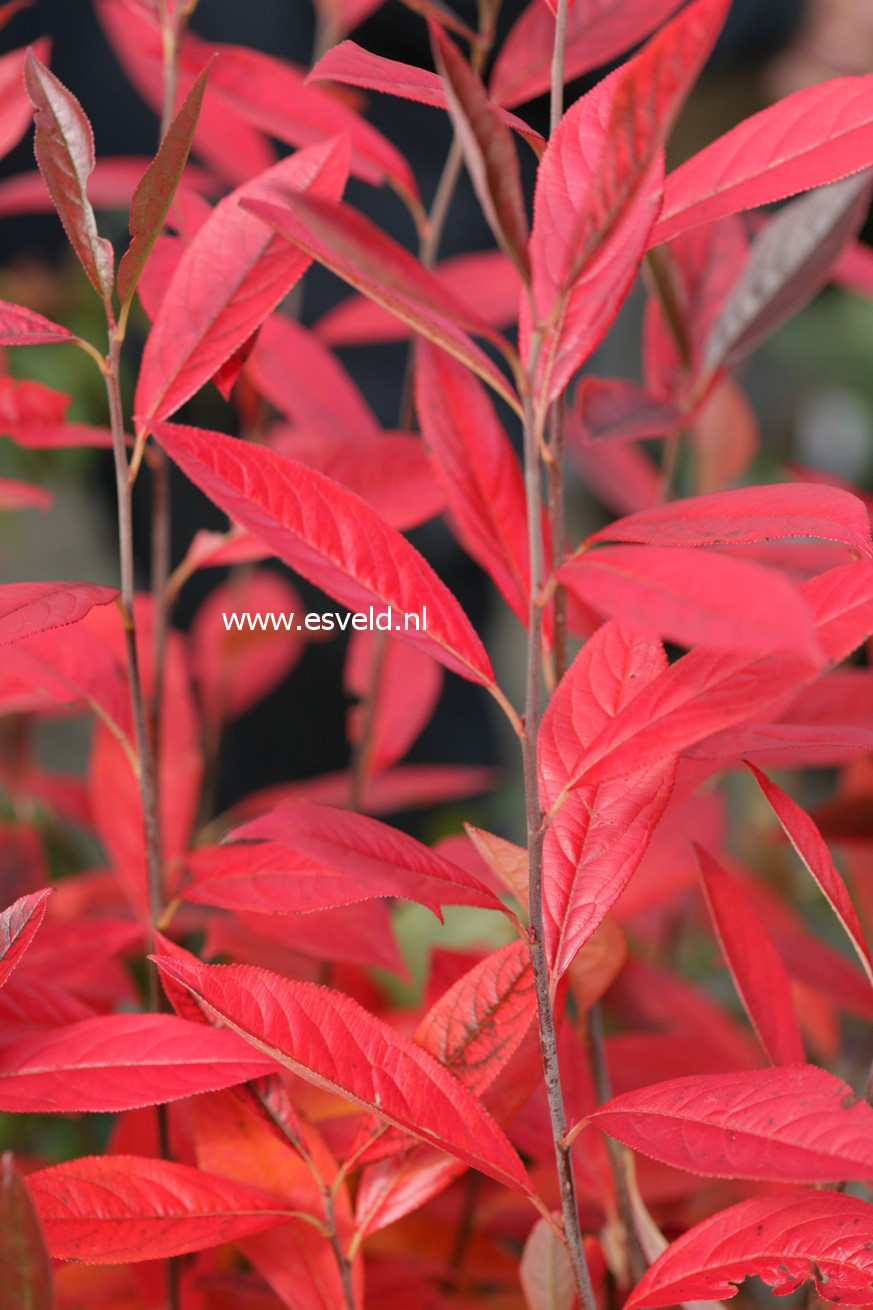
{"x": 556, "y": 101}
{"x": 343, "y": 1263}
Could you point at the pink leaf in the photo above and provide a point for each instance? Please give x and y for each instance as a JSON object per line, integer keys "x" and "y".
{"x": 15, "y": 107}
{"x": 809, "y": 844}
{"x": 23, "y": 495}
{"x": 24, "y": 327}
{"x": 330, "y": 536}
{"x": 28, "y": 608}
{"x": 231, "y": 276}
{"x": 817, "y": 135}
{"x": 408, "y": 685}
{"x": 784, "y": 1239}
{"x": 18, "y": 926}
{"x": 755, "y": 965}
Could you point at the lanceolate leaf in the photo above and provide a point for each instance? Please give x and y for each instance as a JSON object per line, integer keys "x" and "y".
{"x": 360, "y": 253}
{"x": 489, "y": 150}
{"x": 119, "y": 1209}
{"x": 747, "y": 514}
{"x": 545, "y": 1271}
{"x": 27, "y": 608}
{"x": 25, "y": 1269}
{"x": 809, "y": 844}
{"x": 757, "y": 970}
{"x": 330, "y": 536}
{"x": 597, "y": 33}
{"x": 330, "y": 1040}
{"x": 479, "y": 471}
{"x": 24, "y": 327}
{"x": 18, "y": 925}
{"x": 231, "y": 276}
{"x": 154, "y": 194}
{"x": 815, "y": 136}
{"x": 363, "y": 848}
{"x": 783, "y": 1239}
{"x": 121, "y": 1061}
{"x": 598, "y": 838}
{"x": 693, "y": 597}
{"x": 790, "y": 261}
{"x": 65, "y": 153}
{"x": 797, "y": 1125}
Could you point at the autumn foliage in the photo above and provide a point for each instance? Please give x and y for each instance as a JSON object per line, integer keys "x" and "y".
{"x": 581, "y": 1111}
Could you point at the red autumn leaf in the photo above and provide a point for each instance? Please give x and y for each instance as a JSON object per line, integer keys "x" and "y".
{"x": 817, "y": 135}
{"x": 784, "y": 1240}
{"x": 597, "y": 33}
{"x": 330, "y": 536}
{"x": 292, "y": 368}
{"x": 478, "y": 469}
{"x": 18, "y": 925}
{"x": 598, "y": 189}
{"x": 231, "y": 276}
{"x": 486, "y": 282}
{"x": 391, "y": 471}
{"x": 23, "y": 495}
{"x": 351, "y": 64}
{"x": 489, "y": 150}
{"x": 64, "y": 147}
{"x": 110, "y": 186}
{"x": 809, "y": 844}
{"x": 797, "y": 1125}
{"x": 25, "y": 1268}
{"x": 156, "y": 189}
{"x": 407, "y": 687}
{"x": 392, "y": 1188}
{"x": 693, "y": 597}
{"x": 28, "y": 608}
{"x": 119, "y": 1209}
{"x": 24, "y": 327}
{"x": 363, "y": 848}
{"x": 757, "y": 970}
{"x": 332, "y": 1041}
{"x": 611, "y": 409}
{"x": 234, "y": 668}
{"x": 600, "y": 834}
{"x": 746, "y": 514}
{"x": 356, "y": 250}
{"x": 121, "y": 1061}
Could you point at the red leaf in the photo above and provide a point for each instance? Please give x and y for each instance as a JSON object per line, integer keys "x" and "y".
{"x": 817, "y": 135}
{"x": 330, "y": 1040}
{"x": 122, "y": 1061}
{"x": 157, "y": 187}
{"x": 600, "y": 834}
{"x": 842, "y": 604}
{"x": 351, "y": 64}
{"x": 330, "y": 536}
{"x": 120, "y": 1209}
{"x": 807, "y": 841}
{"x": 18, "y": 925}
{"x": 23, "y": 495}
{"x": 745, "y": 514}
{"x": 231, "y": 276}
{"x": 478, "y": 469}
{"x": 597, "y": 33}
{"x": 28, "y": 608}
{"x": 24, "y": 327}
{"x": 782, "y": 1239}
{"x": 489, "y": 150}
{"x": 786, "y": 1125}
{"x": 110, "y": 186}
{"x": 485, "y": 282}
{"x": 15, "y": 107}
{"x": 365, "y": 849}
{"x": 757, "y": 970}
{"x": 408, "y": 685}
{"x": 611, "y": 409}
{"x": 598, "y": 187}
{"x": 359, "y": 252}
{"x": 694, "y": 597}
{"x": 64, "y": 147}
{"x": 305, "y": 381}
{"x": 25, "y": 1269}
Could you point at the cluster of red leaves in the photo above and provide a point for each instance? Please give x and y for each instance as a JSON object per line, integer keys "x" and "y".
{"x": 287, "y": 1143}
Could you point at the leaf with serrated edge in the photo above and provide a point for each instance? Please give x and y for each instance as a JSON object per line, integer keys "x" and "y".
{"x": 18, "y": 926}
